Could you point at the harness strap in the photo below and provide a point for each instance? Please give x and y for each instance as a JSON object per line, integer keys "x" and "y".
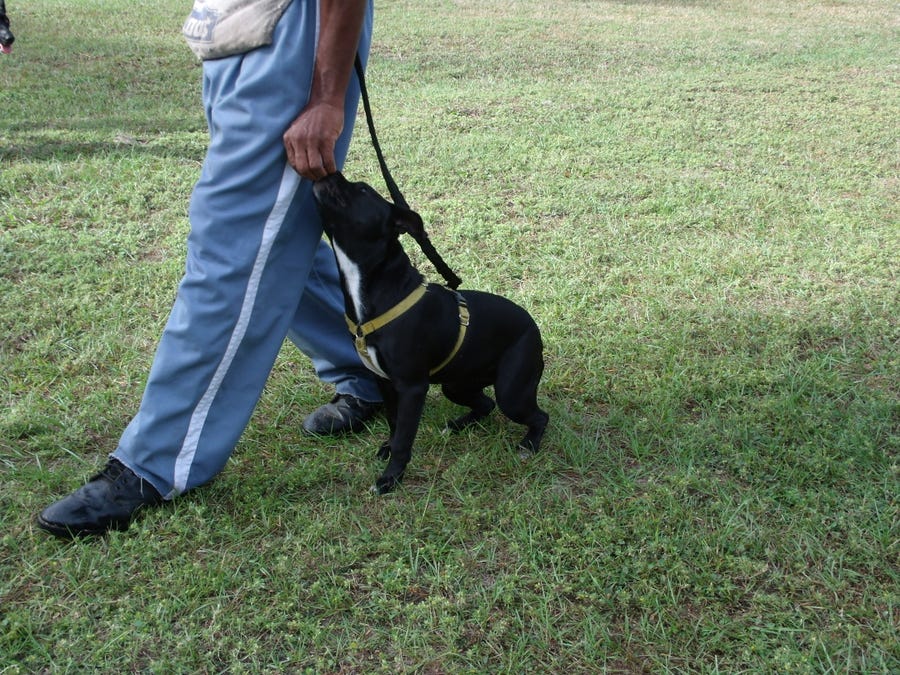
{"x": 463, "y": 325}
{"x": 360, "y": 331}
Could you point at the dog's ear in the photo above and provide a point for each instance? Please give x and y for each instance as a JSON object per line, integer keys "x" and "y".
{"x": 408, "y": 221}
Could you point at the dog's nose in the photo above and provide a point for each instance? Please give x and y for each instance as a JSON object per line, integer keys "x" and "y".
{"x": 325, "y": 180}
{"x": 324, "y": 187}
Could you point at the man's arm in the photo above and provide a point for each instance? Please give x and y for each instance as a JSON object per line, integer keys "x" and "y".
{"x": 311, "y": 138}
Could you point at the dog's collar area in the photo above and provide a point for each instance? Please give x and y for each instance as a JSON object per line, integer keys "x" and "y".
{"x": 360, "y": 331}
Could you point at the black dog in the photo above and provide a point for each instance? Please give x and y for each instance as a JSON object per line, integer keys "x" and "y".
{"x": 411, "y": 334}
{"x": 6, "y": 37}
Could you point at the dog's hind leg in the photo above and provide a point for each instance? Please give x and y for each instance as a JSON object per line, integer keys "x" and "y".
{"x": 518, "y": 376}
{"x": 480, "y": 403}
{"x": 537, "y": 425}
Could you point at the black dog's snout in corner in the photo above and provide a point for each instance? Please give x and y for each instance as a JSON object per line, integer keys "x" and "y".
{"x": 6, "y": 37}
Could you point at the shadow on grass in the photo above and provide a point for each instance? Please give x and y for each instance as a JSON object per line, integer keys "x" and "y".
{"x": 111, "y": 136}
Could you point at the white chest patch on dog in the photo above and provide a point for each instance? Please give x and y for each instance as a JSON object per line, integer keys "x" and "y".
{"x": 373, "y": 363}
{"x": 350, "y": 272}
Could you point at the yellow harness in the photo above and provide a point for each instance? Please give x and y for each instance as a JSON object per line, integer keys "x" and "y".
{"x": 360, "y": 331}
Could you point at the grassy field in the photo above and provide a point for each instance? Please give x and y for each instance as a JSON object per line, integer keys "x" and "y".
{"x": 698, "y": 203}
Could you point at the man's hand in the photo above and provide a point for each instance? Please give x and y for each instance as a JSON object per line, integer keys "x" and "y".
{"x": 310, "y": 140}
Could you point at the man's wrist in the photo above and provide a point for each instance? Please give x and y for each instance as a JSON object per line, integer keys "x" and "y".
{"x": 340, "y": 27}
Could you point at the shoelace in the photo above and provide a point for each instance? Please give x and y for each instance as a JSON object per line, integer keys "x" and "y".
{"x": 111, "y": 472}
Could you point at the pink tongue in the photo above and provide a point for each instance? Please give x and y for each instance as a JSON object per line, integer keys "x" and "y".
{"x": 5, "y": 50}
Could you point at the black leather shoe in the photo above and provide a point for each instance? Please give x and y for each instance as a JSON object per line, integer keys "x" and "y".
{"x": 107, "y": 502}
{"x": 342, "y": 414}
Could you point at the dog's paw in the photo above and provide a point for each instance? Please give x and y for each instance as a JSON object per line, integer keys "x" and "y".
{"x": 384, "y": 452}
{"x": 474, "y": 416}
{"x": 386, "y": 484}
{"x": 528, "y": 448}
{"x": 458, "y": 424}
{"x": 455, "y": 425}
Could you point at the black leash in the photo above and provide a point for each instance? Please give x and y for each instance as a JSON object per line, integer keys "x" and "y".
{"x": 424, "y": 242}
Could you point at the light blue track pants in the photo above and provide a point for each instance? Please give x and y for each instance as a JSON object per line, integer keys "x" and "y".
{"x": 257, "y": 269}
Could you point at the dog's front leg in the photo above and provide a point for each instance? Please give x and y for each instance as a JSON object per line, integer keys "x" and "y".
{"x": 389, "y": 397}
{"x": 410, "y": 403}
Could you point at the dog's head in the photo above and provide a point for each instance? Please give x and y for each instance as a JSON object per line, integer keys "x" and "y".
{"x": 6, "y": 37}
{"x": 359, "y": 219}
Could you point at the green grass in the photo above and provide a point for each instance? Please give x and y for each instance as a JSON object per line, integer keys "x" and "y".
{"x": 698, "y": 203}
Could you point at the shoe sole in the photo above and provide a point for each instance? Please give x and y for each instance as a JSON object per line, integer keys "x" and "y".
{"x": 336, "y": 431}
{"x": 66, "y": 532}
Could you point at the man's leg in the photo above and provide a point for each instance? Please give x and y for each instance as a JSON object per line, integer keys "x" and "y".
{"x": 253, "y": 241}
{"x": 249, "y": 254}
{"x": 320, "y": 331}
